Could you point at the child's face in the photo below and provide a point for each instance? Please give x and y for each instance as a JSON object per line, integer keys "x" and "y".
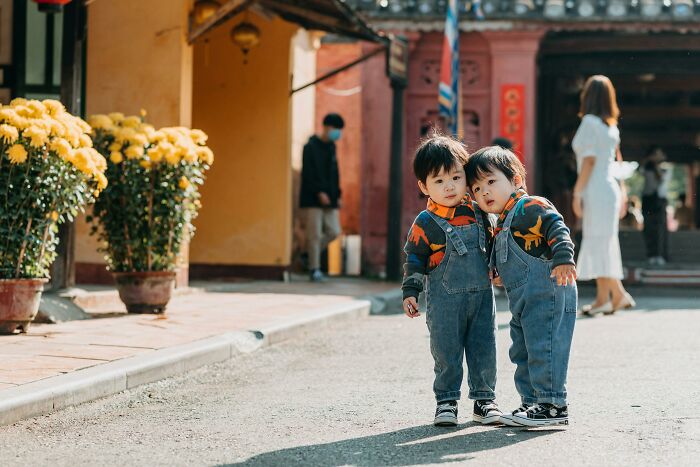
{"x": 493, "y": 190}
{"x": 446, "y": 187}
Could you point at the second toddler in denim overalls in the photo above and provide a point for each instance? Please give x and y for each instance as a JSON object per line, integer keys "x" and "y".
{"x": 533, "y": 258}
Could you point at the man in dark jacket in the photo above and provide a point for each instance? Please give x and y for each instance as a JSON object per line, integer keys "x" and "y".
{"x": 320, "y": 191}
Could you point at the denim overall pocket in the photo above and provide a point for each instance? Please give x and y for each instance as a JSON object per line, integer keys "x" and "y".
{"x": 512, "y": 269}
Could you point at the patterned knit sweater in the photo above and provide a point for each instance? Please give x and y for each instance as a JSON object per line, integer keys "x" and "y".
{"x": 427, "y": 242}
{"x": 538, "y": 229}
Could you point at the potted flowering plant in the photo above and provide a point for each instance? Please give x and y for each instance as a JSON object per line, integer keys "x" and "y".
{"x": 48, "y": 173}
{"x": 146, "y": 211}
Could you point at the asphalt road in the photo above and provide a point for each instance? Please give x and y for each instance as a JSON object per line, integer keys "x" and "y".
{"x": 359, "y": 393}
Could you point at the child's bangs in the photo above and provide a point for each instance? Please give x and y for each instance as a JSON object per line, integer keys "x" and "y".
{"x": 442, "y": 160}
{"x": 479, "y": 168}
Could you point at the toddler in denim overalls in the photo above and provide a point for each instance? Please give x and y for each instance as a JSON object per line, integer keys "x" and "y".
{"x": 447, "y": 252}
{"x": 533, "y": 258}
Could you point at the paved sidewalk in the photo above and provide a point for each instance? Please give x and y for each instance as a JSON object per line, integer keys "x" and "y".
{"x": 56, "y": 365}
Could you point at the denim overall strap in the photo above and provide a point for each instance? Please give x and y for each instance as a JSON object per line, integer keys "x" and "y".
{"x": 482, "y": 228}
{"x": 505, "y": 231}
{"x": 451, "y": 234}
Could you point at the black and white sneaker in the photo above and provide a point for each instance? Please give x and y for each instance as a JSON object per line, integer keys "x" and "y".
{"x": 507, "y": 419}
{"x": 543, "y": 415}
{"x": 487, "y": 412}
{"x": 446, "y": 414}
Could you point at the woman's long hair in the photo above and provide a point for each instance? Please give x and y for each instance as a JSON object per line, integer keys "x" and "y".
{"x": 598, "y": 98}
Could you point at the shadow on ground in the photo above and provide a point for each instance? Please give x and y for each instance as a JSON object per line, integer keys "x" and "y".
{"x": 411, "y": 446}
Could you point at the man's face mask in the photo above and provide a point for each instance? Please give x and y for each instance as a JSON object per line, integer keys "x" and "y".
{"x": 334, "y": 134}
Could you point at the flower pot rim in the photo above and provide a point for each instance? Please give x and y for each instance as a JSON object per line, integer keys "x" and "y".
{"x": 34, "y": 280}
{"x": 145, "y": 273}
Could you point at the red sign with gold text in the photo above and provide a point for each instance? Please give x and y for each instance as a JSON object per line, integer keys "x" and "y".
{"x": 513, "y": 116}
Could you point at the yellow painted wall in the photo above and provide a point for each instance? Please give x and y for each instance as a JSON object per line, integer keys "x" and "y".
{"x": 137, "y": 57}
{"x": 245, "y": 110}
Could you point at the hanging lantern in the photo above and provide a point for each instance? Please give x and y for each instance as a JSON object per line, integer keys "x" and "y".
{"x": 51, "y": 6}
{"x": 246, "y": 36}
{"x": 204, "y": 9}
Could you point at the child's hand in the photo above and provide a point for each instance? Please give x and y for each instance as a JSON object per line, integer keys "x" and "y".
{"x": 565, "y": 274}
{"x": 495, "y": 278}
{"x": 410, "y": 307}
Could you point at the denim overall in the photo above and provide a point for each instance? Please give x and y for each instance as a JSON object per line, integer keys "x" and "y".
{"x": 543, "y": 319}
{"x": 461, "y": 314}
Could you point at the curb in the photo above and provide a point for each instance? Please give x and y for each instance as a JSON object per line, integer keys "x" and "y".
{"x": 58, "y": 392}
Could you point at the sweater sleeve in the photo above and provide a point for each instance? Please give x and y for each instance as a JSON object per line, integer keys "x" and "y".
{"x": 418, "y": 253}
{"x": 538, "y": 221}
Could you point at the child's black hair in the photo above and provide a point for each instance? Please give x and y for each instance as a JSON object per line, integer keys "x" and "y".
{"x": 486, "y": 160}
{"x": 436, "y": 153}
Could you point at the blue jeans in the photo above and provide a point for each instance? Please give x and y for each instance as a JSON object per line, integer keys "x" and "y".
{"x": 543, "y": 321}
{"x": 461, "y": 316}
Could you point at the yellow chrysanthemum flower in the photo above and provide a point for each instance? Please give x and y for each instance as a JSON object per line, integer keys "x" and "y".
{"x": 38, "y": 110}
{"x": 17, "y": 154}
{"x": 143, "y": 113}
{"x": 171, "y": 134}
{"x": 189, "y": 156}
{"x": 53, "y": 216}
{"x": 139, "y": 139}
{"x": 17, "y": 101}
{"x": 83, "y": 161}
{"x": 99, "y": 160}
{"x": 184, "y": 183}
{"x": 62, "y": 147}
{"x": 115, "y": 147}
{"x": 145, "y": 164}
{"x": 101, "y": 181}
{"x": 7, "y": 114}
{"x": 116, "y": 117}
{"x": 158, "y": 136}
{"x": 169, "y": 153}
{"x": 23, "y": 111}
{"x": 82, "y": 124}
{"x": 19, "y": 122}
{"x": 37, "y": 136}
{"x": 101, "y": 122}
{"x": 85, "y": 141}
{"x": 54, "y": 127}
{"x": 132, "y": 122}
{"x": 155, "y": 154}
{"x": 148, "y": 130}
{"x": 199, "y": 137}
{"x": 133, "y": 152}
{"x": 124, "y": 134}
{"x": 8, "y": 133}
{"x": 116, "y": 157}
{"x": 205, "y": 155}
{"x": 53, "y": 107}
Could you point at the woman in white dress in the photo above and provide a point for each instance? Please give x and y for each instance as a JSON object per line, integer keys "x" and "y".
{"x": 597, "y": 196}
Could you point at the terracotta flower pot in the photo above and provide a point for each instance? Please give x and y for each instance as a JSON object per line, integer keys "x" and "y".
{"x": 145, "y": 292}
{"x": 19, "y": 303}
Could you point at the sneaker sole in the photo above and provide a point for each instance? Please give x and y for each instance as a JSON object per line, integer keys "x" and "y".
{"x": 445, "y": 421}
{"x": 508, "y": 421}
{"x": 489, "y": 420}
{"x": 544, "y": 422}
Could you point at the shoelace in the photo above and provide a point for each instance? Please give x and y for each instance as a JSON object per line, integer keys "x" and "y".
{"x": 446, "y": 407}
{"x": 488, "y": 406}
{"x": 522, "y": 408}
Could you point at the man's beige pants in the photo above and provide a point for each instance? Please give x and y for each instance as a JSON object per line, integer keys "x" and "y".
{"x": 322, "y": 227}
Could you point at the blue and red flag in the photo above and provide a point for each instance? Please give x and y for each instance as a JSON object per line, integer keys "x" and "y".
{"x": 449, "y": 95}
